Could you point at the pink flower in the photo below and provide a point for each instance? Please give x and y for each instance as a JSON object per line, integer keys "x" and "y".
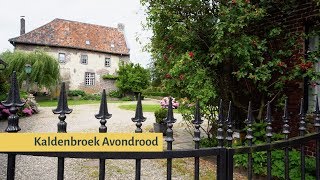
{"x": 6, "y": 111}
{"x": 27, "y": 111}
{"x": 165, "y": 103}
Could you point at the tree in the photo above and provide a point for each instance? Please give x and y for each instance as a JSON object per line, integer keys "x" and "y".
{"x": 132, "y": 78}
{"x": 45, "y": 68}
{"x": 207, "y": 50}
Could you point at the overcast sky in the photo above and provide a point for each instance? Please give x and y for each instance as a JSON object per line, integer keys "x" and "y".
{"x": 101, "y": 12}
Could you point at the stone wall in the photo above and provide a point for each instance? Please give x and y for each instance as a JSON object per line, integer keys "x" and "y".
{"x": 73, "y": 72}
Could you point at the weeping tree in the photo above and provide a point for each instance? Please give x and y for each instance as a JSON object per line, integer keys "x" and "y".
{"x": 45, "y": 68}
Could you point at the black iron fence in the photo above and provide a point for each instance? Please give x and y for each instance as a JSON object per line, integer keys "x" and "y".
{"x": 224, "y": 152}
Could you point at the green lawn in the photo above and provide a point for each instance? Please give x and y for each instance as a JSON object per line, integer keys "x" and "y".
{"x": 53, "y": 103}
{"x": 145, "y": 107}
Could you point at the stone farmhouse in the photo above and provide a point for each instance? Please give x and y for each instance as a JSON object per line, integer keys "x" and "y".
{"x": 84, "y": 51}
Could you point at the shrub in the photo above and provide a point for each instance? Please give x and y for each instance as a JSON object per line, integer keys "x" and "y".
{"x": 91, "y": 97}
{"x": 260, "y": 158}
{"x": 149, "y": 93}
{"x": 109, "y": 76}
{"x": 76, "y": 93}
{"x": 115, "y": 94}
{"x": 208, "y": 142}
{"x": 160, "y": 114}
{"x": 132, "y": 78}
{"x": 30, "y": 107}
{"x": 126, "y": 98}
{"x": 277, "y": 156}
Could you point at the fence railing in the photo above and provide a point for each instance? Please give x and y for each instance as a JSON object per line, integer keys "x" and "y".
{"x": 224, "y": 152}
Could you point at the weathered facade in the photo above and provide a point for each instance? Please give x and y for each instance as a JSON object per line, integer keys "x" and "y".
{"x": 85, "y": 51}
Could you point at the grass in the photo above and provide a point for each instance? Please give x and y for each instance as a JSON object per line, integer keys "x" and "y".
{"x": 145, "y": 107}
{"x": 53, "y": 103}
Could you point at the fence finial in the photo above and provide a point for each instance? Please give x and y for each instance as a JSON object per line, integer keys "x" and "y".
{"x": 317, "y": 106}
{"x": 285, "y": 118}
{"x": 12, "y": 103}
{"x": 197, "y": 115}
{"x": 197, "y": 121}
{"x": 317, "y": 116}
{"x": 13, "y": 95}
{"x": 268, "y": 120}
{"x": 170, "y": 118}
{"x": 220, "y": 137}
{"x": 302, "y": 123}
{"x": 139, "y": 115}
{"x": 249, "y": 121}
{"x": 103, "y": 113}
{"x": 62, "y": 109}
{"x": 229, "y": 137}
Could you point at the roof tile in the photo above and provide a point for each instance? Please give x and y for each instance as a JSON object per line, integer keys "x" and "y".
{"x": 72, "y": 34}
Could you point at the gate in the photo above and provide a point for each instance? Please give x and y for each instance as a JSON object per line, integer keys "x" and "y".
{"x": 224, "y": 152}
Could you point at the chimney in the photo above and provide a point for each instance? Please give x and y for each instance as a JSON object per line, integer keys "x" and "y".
{"x": 121, "y": 27}
{"x": 22, "y": 26}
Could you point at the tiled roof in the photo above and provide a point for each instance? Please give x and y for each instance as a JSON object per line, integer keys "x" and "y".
{"x": 72, "y": 34}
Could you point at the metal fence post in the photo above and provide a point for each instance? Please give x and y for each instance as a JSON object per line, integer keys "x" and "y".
{"x": 103, "y": 115}
{"x": 62, "y": 109}
{"x": 169, "y": 138}
{"x": 13, "y": 102}
{"x": 138, "y": 119}
{"x": 197, "y": 123}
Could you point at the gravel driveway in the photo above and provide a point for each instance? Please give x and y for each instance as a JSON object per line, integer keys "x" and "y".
{"x": 82, "y": 120}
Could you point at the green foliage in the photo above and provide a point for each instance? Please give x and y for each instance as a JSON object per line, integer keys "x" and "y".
{"x": 95, "y": 97}
{"x": 203, "y": 50}
{"x": 115, "y": 94}
{"x": 45, "y": 68}
{"x": 160, "y": 114}
{"x": 259, "y": 133}
{"x": 76, "y": 93}
{"x": 154, "y": 91}
{"x": 208, "y": 142}
{"x": 126, "y": 98}
{"x": 277, "y": 156}
{"x": 109, "y": 76}
{"x": 260, "y": 158}
{"x": 132, "y": 78}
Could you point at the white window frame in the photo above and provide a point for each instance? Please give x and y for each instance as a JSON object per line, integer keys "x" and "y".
{"x": 60, "y": 57}
{"x": 107, "y": 62}
{"x": 313, "y": 90}
{"x": 84, "y": 57}
{"x": 89, "y": 79}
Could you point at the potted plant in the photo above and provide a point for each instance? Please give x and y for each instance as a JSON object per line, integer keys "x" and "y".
{"x": 160, "y": 126}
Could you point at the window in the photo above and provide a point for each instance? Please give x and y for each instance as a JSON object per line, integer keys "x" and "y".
{"x": 62, "y": 57}
{"x": 107, "y": 62}
{"x": 313, "y": 88}
{"x": 89, "y": 78}
{"x": 84, "y": 59}
{"x": 313, "y": 85}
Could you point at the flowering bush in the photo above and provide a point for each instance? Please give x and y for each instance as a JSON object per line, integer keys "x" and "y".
{"x": 28, "y": 109}
{"x": 165, "y": 103}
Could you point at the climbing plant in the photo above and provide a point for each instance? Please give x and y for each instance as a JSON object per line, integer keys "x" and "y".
{"x": 208, "y": 49}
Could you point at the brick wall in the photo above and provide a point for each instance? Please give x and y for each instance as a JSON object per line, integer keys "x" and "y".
{"x": 294, "y": 21}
